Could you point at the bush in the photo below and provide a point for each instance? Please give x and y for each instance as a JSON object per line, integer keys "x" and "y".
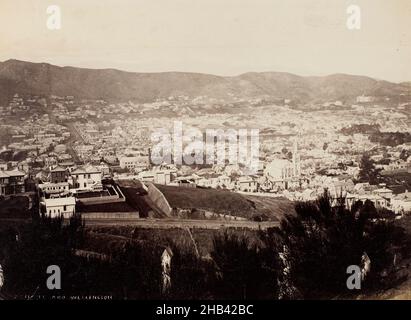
{"x": 321, "y": 241}
{"x": 245, "y": 270}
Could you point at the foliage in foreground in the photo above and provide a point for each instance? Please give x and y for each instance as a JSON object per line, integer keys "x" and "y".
{"x": 321, "y": 241}
{"x": 307, "y": 258}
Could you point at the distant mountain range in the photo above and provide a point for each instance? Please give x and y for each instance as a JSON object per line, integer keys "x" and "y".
{"x": 115, "y": 85}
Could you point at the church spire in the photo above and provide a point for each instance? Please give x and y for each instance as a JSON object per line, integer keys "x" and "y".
{"x": 296, "y": 158}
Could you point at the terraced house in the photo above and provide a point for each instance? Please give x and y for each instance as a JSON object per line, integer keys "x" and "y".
{"x": 86, "y": 178}
{"x": 11, "y": 182}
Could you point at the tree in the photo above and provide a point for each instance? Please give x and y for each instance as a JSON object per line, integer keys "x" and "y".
{"x": 245, "y": 270}
{"x": 191, "y": 275}
{"x": 320, "y": 241}
{"x": 29, "y": 251}
{"x": 368, "y": 172}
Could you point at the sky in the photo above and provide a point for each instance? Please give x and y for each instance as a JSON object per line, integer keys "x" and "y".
{"x": 223, "y": 37}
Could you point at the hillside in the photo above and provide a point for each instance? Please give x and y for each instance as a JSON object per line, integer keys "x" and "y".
{"x": 115, "y": 85}
{"x": 203, "y": 238}
{"x": 227, "y": 203}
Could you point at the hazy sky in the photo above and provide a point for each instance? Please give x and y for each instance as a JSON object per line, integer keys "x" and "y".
{"x": 226, "y": 37}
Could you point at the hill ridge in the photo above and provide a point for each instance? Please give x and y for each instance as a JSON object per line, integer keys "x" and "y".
{"x": 40, "y": 78}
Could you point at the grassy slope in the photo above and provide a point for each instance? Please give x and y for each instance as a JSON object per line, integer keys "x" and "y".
{"x": 179, "y": 237}
{"x": 226, "y": 202}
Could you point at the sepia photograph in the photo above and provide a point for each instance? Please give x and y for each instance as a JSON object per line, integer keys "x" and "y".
{"x": 205, "y": 150}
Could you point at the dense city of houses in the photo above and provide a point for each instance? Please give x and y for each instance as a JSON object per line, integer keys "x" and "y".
{"x": 65, "y": 149}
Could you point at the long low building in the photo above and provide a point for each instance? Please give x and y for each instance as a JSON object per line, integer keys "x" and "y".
{"x": 56, "y": 207}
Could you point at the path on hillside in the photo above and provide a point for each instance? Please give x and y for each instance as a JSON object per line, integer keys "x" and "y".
{"x": 182, "y": 223}
{"x": 169, "y": 223}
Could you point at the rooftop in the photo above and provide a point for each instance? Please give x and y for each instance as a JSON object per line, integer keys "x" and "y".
{"x": 54, "y": 202}
{"x": 11, "y": 173}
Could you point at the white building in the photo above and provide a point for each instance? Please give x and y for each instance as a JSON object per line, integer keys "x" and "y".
{"x": 401, "y": 203}
{"x": 363, "y": 98}
{"x": 55, "y": 207}
{"x": 208, "y": 182}
{"x": 86, "y": 178}
{"x": 283, "y": 173}
{"x": 54, "y": 188}
{"x": 224, "y": 181}
{"x": 3, "y": 165}
{"x": 134, "y": 162}
{"x": 247, "y": 184}
{"x": 158, "y": 177}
